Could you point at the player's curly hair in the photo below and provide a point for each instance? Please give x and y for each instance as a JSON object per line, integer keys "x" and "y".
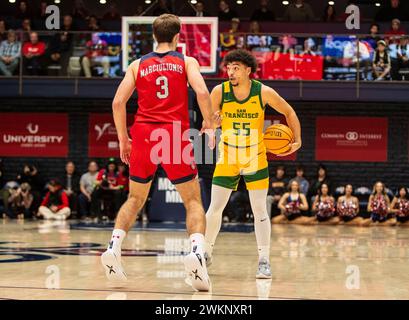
{"x": 243, "y": 56}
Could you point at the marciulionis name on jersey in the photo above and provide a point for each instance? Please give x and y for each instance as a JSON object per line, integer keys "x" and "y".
{"x": 161, "y": 67}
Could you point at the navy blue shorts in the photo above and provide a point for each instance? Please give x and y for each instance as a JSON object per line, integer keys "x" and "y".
{"x": 402, "y": 219}
{"x": 376, "y": 217}
{"x": 347, "y": 218}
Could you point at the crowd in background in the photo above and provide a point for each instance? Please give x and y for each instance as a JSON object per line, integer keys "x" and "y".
{"x": 98, "y": 194}
{"x": 300, "y": 201}
{"x": 50, "y": 54}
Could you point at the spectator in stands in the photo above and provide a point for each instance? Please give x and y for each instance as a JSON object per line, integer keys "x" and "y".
{"x": 278, "y": 185}
{"x": 373, "y": 35}
{"x": 68, "y": 23}
{"x": 71, "y": 183}
{"x": 87, "y": 187}
{"x": 379, "y": 205}
{"x": 41, "y": 14}
{"x": 254, "y": 27}
{"x": 393, "y": 10}
{"x": 348, "y": 209}
{"x": 324, "y": 206}
{"x": 329, "y": 14}
{"x": 5, "y": 194}
{"x": 3, "y": 30}
{"x": 351, "y": 53}
{"x": 228, "y": 40}
{"x": 403, "y": 53}
{"x": 263, "y": 13}
{"x": 381, "y": 65}
{"x": 79, "y": 10}
{"x": 25, "y": 30}
{"x": 400, "y": 206}
{"x": 299, "y": 12}
{"x": 161, "y": 8}
{"x": 123, "y": 176}
{"x": 9, "y": 188}
{"x": 292, "y": 204}
{"x": 23, "y": 11}
{"x": 31, "y": 175}
{"x": 106, "y": 191}
{"x": 33, "y": 55}
{"x": 392, "y": 50}
{"x": 309, "y": 47}
{"x": 61, "y": 45}
{"x": 302, "y": 182}
{"x": 395, "y": 32}
{"x": 55, "y": 205}
{"x": 200, "y": 10}
{"x": 322, "y": 177}
{"x": 96, "y": 55}
{"x": 113, "y": 13}
{"x": 123, "y": 186}
{"x": 225, "y": 13}
{"x": 10, "y": 51}
{"x": 20, "y": 202}
{"x": 93, "y": 24}
{"x": 286, "y": 46}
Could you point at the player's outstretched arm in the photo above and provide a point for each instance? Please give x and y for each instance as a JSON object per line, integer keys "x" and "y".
{"x": 273, "y": 99}
{"x": 216, "y": 98}
{"x": 124, "y": 92}
{"x": 198, "y": 85}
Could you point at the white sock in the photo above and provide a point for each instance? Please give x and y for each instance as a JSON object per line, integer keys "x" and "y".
{"x": 263, "y": 252}
{"x": 115, "y": 244}
{"x": 196, "y": 243}
{"x": 262, "y": 224}
{"x": 220, "y": 197}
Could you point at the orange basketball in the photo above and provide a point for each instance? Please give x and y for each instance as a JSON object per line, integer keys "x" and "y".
{"x": 278, "y": 138}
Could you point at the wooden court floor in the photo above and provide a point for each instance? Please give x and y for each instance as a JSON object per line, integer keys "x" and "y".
{"x": 41, "y": 260}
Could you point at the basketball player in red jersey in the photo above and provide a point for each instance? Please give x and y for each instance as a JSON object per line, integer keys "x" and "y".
{"x": 160, "y": 79}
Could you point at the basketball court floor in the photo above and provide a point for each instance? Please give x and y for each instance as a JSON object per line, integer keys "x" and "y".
{"x": 60, "y": 260}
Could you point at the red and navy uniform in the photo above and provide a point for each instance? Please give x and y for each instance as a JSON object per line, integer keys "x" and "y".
{"x": 162, "y": 116}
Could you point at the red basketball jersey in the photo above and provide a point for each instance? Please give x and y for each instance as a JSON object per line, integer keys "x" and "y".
{"x": 161, "y": 85}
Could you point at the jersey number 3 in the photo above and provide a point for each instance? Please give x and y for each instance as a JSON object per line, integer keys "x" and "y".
{"x": 163, "y": 92}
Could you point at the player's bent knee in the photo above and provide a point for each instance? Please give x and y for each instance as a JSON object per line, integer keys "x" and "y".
{"x": 194, "y": 206}
{"x": 136, "y": 200}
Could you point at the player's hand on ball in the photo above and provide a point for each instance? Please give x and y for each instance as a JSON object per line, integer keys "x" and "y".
{"x": 294, "y": 147}
{"x": 125, "y": 148}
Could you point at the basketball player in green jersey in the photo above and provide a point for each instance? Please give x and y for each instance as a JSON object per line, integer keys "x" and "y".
{"x": 241, "y": 102}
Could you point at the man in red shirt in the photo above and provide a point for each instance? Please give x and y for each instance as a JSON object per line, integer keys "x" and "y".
{"x": 96, "y": 55}
{"x": 394, "y": 34}
{"x": 160, "y": 79}
{"x": 55, "y": 204}
{"x": 33, "y": 52}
